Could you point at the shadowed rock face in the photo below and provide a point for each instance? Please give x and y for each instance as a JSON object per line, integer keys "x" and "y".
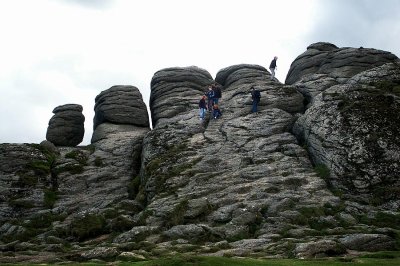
{"x": 66, "y": 127}
{"x": 177, "y": 90}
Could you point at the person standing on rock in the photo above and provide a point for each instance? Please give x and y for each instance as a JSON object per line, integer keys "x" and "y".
{"x": 210, "y": 98}
{"x": 202, "y": 107}
{"x": 273, "y": 67}
{"x": 255, "y": 96}
{"x": 217, "y": 93}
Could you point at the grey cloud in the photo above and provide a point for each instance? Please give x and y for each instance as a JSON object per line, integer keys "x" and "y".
{"x": 356, "y": 23}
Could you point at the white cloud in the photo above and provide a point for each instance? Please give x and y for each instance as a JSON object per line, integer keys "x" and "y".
{"x": 59, "y": 52}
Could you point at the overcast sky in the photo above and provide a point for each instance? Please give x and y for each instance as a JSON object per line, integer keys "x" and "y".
{"x": 56, "y": 52}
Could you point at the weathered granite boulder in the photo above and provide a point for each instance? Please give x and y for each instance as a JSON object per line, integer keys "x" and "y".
{"x": 338, "y": 63}
{"x": 353, "y": 129}
{"x": 368, "y": 242}
{"x": 237, "y": 81}
{"x": 119, "y": 110}
{"x": 120, "y": 105}
{"x": 177, "y": 90}
{"x": 66, "y": 127}
{"x": 321, "y": 248}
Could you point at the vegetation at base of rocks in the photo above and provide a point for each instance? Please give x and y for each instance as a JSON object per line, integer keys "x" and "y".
{"x": 42, "y": 167}
{"x": 177, "y": 215}
{"x": 49, "y": 198}
{"x": 91, "y": 148}
{"x": 121, "y": 223}
{"x": 382, "y": 219}
{"x": 388, "y": 86}
{"x": 87, "y": 226}
{"x": 161, "y": 169}
{"x": 74, "y": 169}
{"x": 315, "y": 218}
{"x": 133, "y": 187}
{"x": 322, "y": 171}
{"x": 382, "y": 194}
{"x": 33, "y": 226}
{"x": 78, "y": 156}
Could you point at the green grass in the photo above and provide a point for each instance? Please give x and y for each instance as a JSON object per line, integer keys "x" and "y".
{"x": 222, "y": 261}
{"x": 393, "y": 259}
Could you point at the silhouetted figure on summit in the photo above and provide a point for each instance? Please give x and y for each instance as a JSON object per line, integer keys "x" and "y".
{"x": 273, "y": 67}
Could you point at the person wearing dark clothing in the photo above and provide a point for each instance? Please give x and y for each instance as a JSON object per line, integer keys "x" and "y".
{"x": 255, "y": 96}
{"x": 216, "y": 111}
{"x": 210, "y": 98}
{"x": 217, "y": 93}
{"x": 273, "y": 67}
{"x": 202, "y": 107}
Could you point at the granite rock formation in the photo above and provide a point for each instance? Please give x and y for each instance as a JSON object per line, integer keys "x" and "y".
{"x": 351, "y": 125}
{"x": 324, "y": 65}
{"x": 66, "y": 127}
{"x": 176, "y": 90}
{"x": 242, "y": 185}
{"x": 119, "y": 105}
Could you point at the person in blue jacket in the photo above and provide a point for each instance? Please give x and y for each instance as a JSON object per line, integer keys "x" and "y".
{"x": 202, "y": 107}
{"x": 255, "y": 96}
{"x": 210, "y": 98}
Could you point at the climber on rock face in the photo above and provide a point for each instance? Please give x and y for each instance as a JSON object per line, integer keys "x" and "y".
{"x": 202, "y": 107}
{"x": 210, "y": 98}
{"x": 273, "y": 67}
{"x": 255, "y": 96}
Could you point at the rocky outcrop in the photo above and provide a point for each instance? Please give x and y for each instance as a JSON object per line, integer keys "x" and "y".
{"x": 242, "y": 178}
{"x": 72, "y": 193}
{"x": 288, "y": 181}
{"x": 66, "y": 127}
{"x": 324, "y": 65}
{"x": 177, "y": 90}
{"x": 352, "y": 128}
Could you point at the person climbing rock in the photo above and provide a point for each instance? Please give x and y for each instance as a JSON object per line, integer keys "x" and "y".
{"x": 217, "y": 93}
{"x": 210, "y": 98}
{"x": 202, "y": 107}
{"x": 255, "y": 96}
{"x": 216, "y": 111}
{"x": 273, "y": 67}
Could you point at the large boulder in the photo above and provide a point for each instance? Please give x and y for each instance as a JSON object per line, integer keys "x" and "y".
{"x": 338, "y": 63}
{"x": 324, "y": 65}
{"x": 117, "y": 110}
{"x": 353, "y": 129}
{"x": 66, "y": 127}
{"x": 177, "y": 90}
{"x": 120, "y": 105}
